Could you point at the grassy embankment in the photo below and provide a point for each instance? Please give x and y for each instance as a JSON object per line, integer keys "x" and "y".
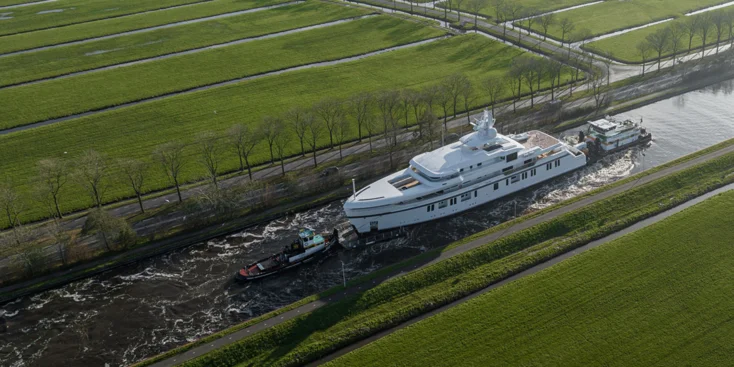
{"x": 104, "y": 27}
{"x": 64, "y": 60}
{"x": 135, "y": 131}
{"x": 48, "y": 15}
{"x": 14, "y": 2}
{"x": 81, "y": 93}
{"x": 612, "y": 16}
{"x": 537, "y": 6}
{"x": 623, "y": 47}
{"x": 658, "y": 296}
{"x": 392, "y": 302}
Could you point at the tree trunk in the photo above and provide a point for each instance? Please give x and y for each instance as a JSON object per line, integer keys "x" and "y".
{"x": 340, "y": 152}
{"x": 370, "y": 139}
{"x": 140, "y": 202}
{"x": 272, "y": 157}
{"x": 282, "y": 166}
{"x": 249, "y": 169}
{"x": 58, "y": 210}
{"x": 303, "y": 151}
{"x": 178, "y": 189}
{"x": 314, "y": 156}
{"x": 242, "y": 167}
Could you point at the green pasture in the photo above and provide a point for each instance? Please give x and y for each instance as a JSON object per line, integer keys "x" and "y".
{"x": 59, "y": 61}
{"x": 532, "y": 6}
{"x": 611, "y": 16}
{"x": 136, "y": 131}
{"x": 394, "y": 301}
{"x": 657, "y": 297}
{"x": 624, "y": 46}
{"x": 14, "y": 2}
{"x": 76, "y": 94}
{"x": 104, "y": 27}
{"x": 65, "y": 12}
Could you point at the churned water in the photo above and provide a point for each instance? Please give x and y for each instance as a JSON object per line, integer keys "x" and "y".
{"x": 134, "y": 312}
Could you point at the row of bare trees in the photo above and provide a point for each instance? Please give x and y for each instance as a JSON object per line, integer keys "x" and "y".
{"x": 678, "y": 36}
{"x": 368, "y": 115}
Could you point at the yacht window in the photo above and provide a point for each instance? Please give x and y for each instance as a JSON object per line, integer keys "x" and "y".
{"x": 558, "y": 163}
{"x": 514, "y": 179}
{"x": 479, "y": 164}
{"x": 475, "y": 193}
{"x": 496, "y": 185}
{"x": 524, "y": 175}
{"x": 461, "y": 170}
{"x": 548, "y": 166}
{"x": 532, "y": 172}
{"x": 471, "y": 167}
{"x": 528, "y": 161}
{"x": 511, "y": 157}
{"x": 443, "y": 204}
{"x": 507, "y": 169}
{"x": 466, "y": 196}
{"x": 507, "y": 182}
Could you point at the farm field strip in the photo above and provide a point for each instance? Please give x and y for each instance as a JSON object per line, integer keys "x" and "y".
{"x": 657, "y": 296}
{"x": 221, "y": 84}
{"x": 539, "y": 6}
{"x": 185, "y": 40}
{"x": 108, "y": 88}
{"x": 136, "y": 130}
{"x": 11, "y": 4}
{"x": 623, "y": 46}
{"x": 611, "y": 16}
{"x": 556, "y": 11}
{"x": 60, "y": 14}
{"x": 704, "y": 10}
{"x": 618, "y": 33}
{"x": 112, "y": 26}
{"x": 151, "y": 29}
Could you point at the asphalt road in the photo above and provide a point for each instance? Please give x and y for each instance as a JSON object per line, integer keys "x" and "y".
{"x": 219, "y": 343}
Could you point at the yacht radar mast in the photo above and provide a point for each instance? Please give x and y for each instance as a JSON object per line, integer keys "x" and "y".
{"x": 484, "y": 131}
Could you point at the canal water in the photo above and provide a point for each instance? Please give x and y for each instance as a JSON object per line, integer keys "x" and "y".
{"x": 131, "y": 313}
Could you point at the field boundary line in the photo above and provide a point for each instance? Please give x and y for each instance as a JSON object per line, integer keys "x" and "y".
{"x": 26, "y": 4}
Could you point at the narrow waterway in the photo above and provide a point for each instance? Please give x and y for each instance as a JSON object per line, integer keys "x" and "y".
{"x": 134, "y": 312}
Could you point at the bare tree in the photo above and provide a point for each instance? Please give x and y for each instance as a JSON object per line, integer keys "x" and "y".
{"x": 432, "y": 126}
{"x": 704, "y": 28}
{"x": 453, "y": 84}
{"x": 63, "y": 241}
{"x": 244, "y": 139}
{"x": 660, "y": 42}
{"x": 676, "y": 31}
{"x": 406, "y": 98}
{"x": 371, "y": 126}
{"x": 387, "y": 104}
{"x": 553, "y": 71}
{"x": 391, "y": 138}
{"x": 52, "y": 177}
{"x": 567, "y": 27}
{"x": 171, "y": 157}
{"x": 91, "y": 172}
{"x": 270, "y": 128}
{"x": 600, "y": 92}
{"x": 295, "y": 118}
{"x": 210, "y": 155}
{"x": 644, "y": 48}
{"x": 530, "y": 17}
{"x": 281, "y": 144}
{"x": 493, "y": 87}
{"x": 11, "y": 204}
{"x": 418, "y": 104}
{"x": 545, "y": 22}
{"x": 443, "y": 97}
{"x": 499, "y": 13}
{"x": 690, "y": 28}
{"x": 342, "y": 131}
{"x": 133, "y": 171}
{"x": 360, "y": 107}
{"x": 530, "y": 70}
{"x": 730, "y": 25}
{"x": 112, "y": 231}
{"x": 514, "y": 11}
{"x": 475, "y": 6}
{"x": 458, "y": 7}
{"x": 315, "y": 130}
{"x": 330, "y": 111}
{"x": 719, "y": 20}
{"x": 514, "y": 83}
{"x": 468, "y": 95}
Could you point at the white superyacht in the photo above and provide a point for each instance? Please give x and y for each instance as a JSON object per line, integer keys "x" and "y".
{"x": 482, "y": 166}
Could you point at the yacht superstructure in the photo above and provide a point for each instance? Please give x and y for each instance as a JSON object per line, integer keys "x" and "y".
{"x": 482, "y": 166}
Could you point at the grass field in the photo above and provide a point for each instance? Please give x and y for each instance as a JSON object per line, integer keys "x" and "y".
{"x": 623, "y": 47}
{"x": 56, "y": 14}
{"x": 534, "y": 6}
{"x": 64, "y": 60}
{"x": 617, "y": 15}
{"x": 104, "y": 27}
{"x": 656, "y": 297}
{"x": 96, "y": 90}
{"x": 14, "y": 2}
{"x": 399, "y": 299}
{"x": 135, "y": 131}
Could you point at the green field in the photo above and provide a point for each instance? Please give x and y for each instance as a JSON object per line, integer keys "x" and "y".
{"x": 533, "y": 6}
{"x": 617, "y": 15}
{"x": 59, "y": 61}
{"x": 64, "y": 12}
{"x": 391, "y": 302}
{"x": 660, "y": 296}
{"x": 135, "y": 131}
{"x": 14, "y": 2}
{"x": 623, "y": 47}
{"x": 96, "y": 90}
{"x": 106, "y": 27}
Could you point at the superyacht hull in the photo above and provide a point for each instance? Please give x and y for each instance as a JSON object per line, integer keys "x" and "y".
{"x": 394, "y": 216}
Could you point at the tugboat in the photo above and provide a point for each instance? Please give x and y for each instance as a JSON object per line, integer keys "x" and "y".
{"x": 305, "y": 248}
{"x": 607, "y": 136}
